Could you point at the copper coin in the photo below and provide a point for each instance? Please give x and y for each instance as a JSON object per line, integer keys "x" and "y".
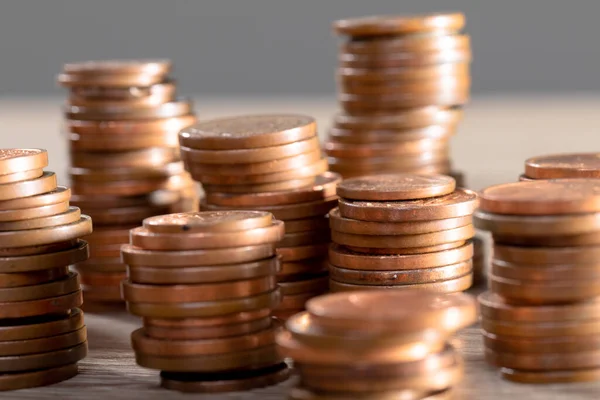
{"x": 123, "y": 215}
{"x": 140, "y": 293}
{"x": 214, "y": 332}
{"x": 289, "y": 211}
{"x": 561, "y": 196}
{"x": 291, "y": 271}
{"x": 41, "y": 327}
{"x": 565, "y": 376}
{"x": 544, "y": 362}
{"x": 43, "y": 360}
{"x": 368, "y": 104}
{"x": 297, "y": 253}
{"x": 379, "y": 166}
{"x": 543, "y": 292}
{"x": 251, "y": 131}
{"x": 70, "y": 216}
{"x": 42, "y": 236}
{"x": 21, "y": 176}
{"x": 176, "y": 108}
{"x": 143, "y": 158}
{"x": 411, "y": 161}
{"x": 227, "y": 319}
{"x": 130, "y": 188}
{"x": 381, "y": 137}
{"x": 401, "y": 44}
{"x": 47, "y": 306}
{"x": 584, "y": 239}
{"x": 523, "y": 177}
{"x": 404, "y": 74}
{"x": 306, "y": 224}
{"x": 59, "y": 195}
{"x": 234, "y": 381}
{"x": 45, "y": 183}
{"x": 41, "y": 291}
{"x": 116, "y": 80}
{"x": 125, "y": 174}
{"x": 408, "y": 59}
{"x": 45, "y": 260}
{"x": 305, "y": 238}
{"x": 43, "y": 345}
{"x": 443, "y": 86}
{"x": 462, "y": 202}
{"x": 301, "y": 393}
{"x": 458, "y": 284}
{"x": 542, "y": 273}
{"x": 393, "y": 25}
{"x": 98, "y": 279}
{"x": 102, "y": 236}
{"x": 102, "y": 202}
{"x": 564, "y": 344}
{"x": 404, "y": 148}
{"x": 414, "y": 118}
{"x": 204, "y": 274}
{"x": 105, "y": 251}
{"x": 578, "y": 165}
{"x": 272, "y": 187}
{"x": 406, "y": 250}
{"x": 544, "y": 329}
{"x": 208, "y": 221}
{"x": 132, "y": 95}
{"x": 44, "y": 377}
{"x": 130, "y": 129}
{"x": 40, "y": 249}
{"x": 14, "y": 161}
{"x": 547, "y": 255}
{"x": 79, "y": 142}
{"x": 317, "y": 284}
{"x": 101, "y": 264}
{"x": 379, "y": 311}
{"x": 18, "y": 279}
{"x": 141, "y": 237}
{"x": 116, "y": 67}
{"x": 341, "y": 257}
{"x": 101, "y": 294}
{"x": 22, "y": 216}
{"x": 251, "y": 155}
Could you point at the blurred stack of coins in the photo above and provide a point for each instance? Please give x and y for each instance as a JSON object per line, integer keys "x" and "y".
{"x": 540, "y": 317}
{"x": 271, "y": 163}
{"x": 205, "y": 284}
{"x": 377, "y": 344}
{"x": 122, "y": 122}
{"x": 558, "y": 166}
{"x": 402, "y": 83}
{"x": 402, "y": 231}
{"x": 42, "y": 335}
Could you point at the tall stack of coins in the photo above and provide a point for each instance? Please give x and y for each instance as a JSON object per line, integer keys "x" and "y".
{"x": 42, "y": 335}
{"x": 205, "y": 284}
{"x": 380, "y": 345}
{"x": 540, "y": 317}
{"x": 271, "y": 163}
{"x": 402, "y": 231}
{"x": 402, "y": 83}
{"x": 122, "y": 122}
{"x": 558, "y": 166}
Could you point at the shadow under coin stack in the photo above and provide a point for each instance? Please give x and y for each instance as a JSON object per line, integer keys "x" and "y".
{"x": 205, "y": 284}
{"x": 402, "y": 82}
{"x": 377, "y": 345}
{"x": 271, "y": 163}
{"x": 402, "y": 231}
{"x": 541, "y": 316}
{"x": 42, "y": 335}
{"x": 123, "y": 118}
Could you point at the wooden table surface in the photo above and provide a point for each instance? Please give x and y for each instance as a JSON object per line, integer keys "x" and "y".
{"x": 496, "y": 136}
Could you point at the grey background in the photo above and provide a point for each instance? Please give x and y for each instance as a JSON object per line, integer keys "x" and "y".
{"x": 223, "y": 47}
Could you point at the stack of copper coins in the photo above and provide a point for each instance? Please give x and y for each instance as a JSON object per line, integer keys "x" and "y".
{"x": 540, "y": 317}
{"x": 205, "y": 284}
{"x": 402, "y": 231}
{"x": 557, "y": 166}
{"x": 402, "y": 83}
{"x": 42, "y": 335}
{"x": 123, "y": 118}
{"x": 380, "y": 345}
{"x": 271, "y": 163}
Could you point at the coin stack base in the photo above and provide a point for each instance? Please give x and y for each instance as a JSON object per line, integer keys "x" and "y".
{"x": 122, "y": 121}
{"x": 205, "y": 284}
{"x": 42, "y": 335}
{"x": 403, "y": 232}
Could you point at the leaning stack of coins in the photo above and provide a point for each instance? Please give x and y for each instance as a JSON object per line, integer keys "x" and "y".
{"x": 123, "y": 118}
{"x": 271, "y": 163}
{"x": 42, "y": 335}
{"x": 379, "y": 345}
{"x": 540, "y": 317}
{"x": 402, "y": 231}
{"x": 558, "y": 166}
{"x": 205, "y": 284}
{"x": 402, "y": 82}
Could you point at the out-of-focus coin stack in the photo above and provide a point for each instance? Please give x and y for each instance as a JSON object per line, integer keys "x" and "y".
{"x": 402, "y": 231}
{"x": 540, "y": 318}
{"x": 402, "y": 82}
{"x": 558, "y": 166}
{"x": 122, "y": 122}
{"x": 42, "y": 335}
{"x": 271, "y": 163}
{"x": 205, "y": 284}
{"x": 377, "y": 344}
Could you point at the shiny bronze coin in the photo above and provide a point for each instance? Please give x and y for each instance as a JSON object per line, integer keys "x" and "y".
{"x": 227, "y": 319}
{"x": 566, "y": 376}
{"x": 135, "y": 96}
{"x": 49, "y": 235}
{"x": 292, "y": 271}
{"x": 43, "y": 345}
{"x": 391, "y": 137}
{"x": 297, "y": 301}
{"x": 21, "y": 329}
{"x": 105, "y": 251}
{"x": 444, "y": 84}
{"x": 21, "y": 176}
{"x": 246, "y": 132}
{"x": 272, "y": 187}
{"x": 544, "y": 273}
{"x": 19, "y": 279}
{"x": 415, "y": 118}
{"x": 208, "y": 221}
{"x": 131, "y": 188}
{"x": 544, "y": 292}
{"x": 15, "y": 161}
{"x": 234, "y": 381}
{"x": 537, "y": 330}
{"x": 205, "y": 274}
{"x": 305, "y": 238}
{"x": 399, "y": 148}
{"x": 564, "y": 344}
{"x": 99, "y": 279}
{"x": 583, "y": 239}
{"x": 102, "y": 202}
{"x": 316, "y": 284}
{"x": 73, "y": 254}
{"x": 130, "y": 129}
{"x": 409, "y": 162}
{"x": 214, "y": 332}
{"x": 152, "y": 157}
{"x": 344, "y": 258}
{"x": 119, "y": 67}
{"x": 561, "y": 196}
{"x": 579, "y": 165}
{"x": 546, "y": 255}
{"x": 101, "y": 294}
{"x": 396, "y": 187}
{"x": 124, "y": 215}
{"x": 400, "y": 60}
{"x": 59, "y": 195}
{"x": 94, "y": 143}
{"x": 44, "y": 360}
{"x": 460, "y": 203}
{"x": 402, "y": 44}
{"x": 22, "y": 216}
{"x": 125, "y": 174}
{"x": 176, "y": 108}
{"x": 115, "y": 80}
{"x": 368, "y": 104}
{"x": 289, "y": 254}
{"x": 407, "y": 250}
{"x": 102, "y": 265}
{"x": 404, "y": 74}
{"x": 458, "y": 284}
{"x": 47, "y": 306}
{"x": 41, "y": 291}
{"x": 306, "y": 224}
{"x": 45, "y": 183}
{"x": 40, "y": 249}
{"x": 544, "y": 362}
{"x": 107, "y": 236}
{"x": 399, "y": 25}
{"x": 71, "y": 215}
{"x": 301, "y": 393}
{"x": 44, "y": 377}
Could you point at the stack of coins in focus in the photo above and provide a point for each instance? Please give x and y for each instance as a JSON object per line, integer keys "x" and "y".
{"x": 205, "y": 284}
{"x": 271, "y": 163}
{"x": 402, "y": 231}
{"x": 402, "y": 83}
{"x": 540, "y": 317}
{"x": 42, "y": 335}
{"x": 377, "y": 345}
{"x": 122, "y": 122}
{"x": 558, "y": 166}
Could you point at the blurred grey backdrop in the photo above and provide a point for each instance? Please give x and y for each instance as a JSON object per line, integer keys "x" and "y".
{"x": 287, "y": 47}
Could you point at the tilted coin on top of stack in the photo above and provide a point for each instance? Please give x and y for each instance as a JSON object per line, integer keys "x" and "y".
{"x": 558, "y": 166}
{"x": 377, "y": 344}
{"x": 402, "y": 231}
{"x": 402, "y": 83}
{"x": 42, "y": 335}
{"x": 122, "y": 122}
{"x": 271, "y": 163}
{"x": 541, "y": 317}
{"x": 205, "y": 284}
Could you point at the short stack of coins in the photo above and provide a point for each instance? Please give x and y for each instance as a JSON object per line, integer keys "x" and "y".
{"x": 402, "y": 82}
{"x": 540, "y": 318}
{"x": 205, "y": 284}
{"x": 122, "y": 121}
{"x": 42, "y": 335}
{"x": 377, "y": 345}
{"x": 402, "y": 231}
{"x": 560, "y": 166}
{"x": 271, "y": 163}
